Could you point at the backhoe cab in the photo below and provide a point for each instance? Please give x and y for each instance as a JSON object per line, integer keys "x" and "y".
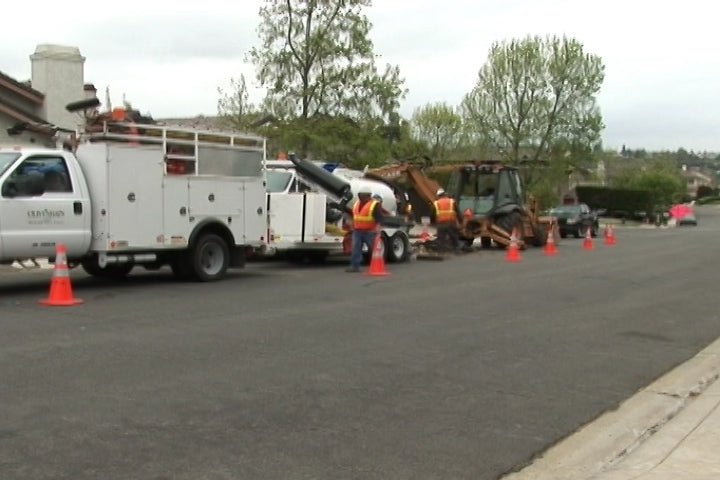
{"x": 492, "y": 200}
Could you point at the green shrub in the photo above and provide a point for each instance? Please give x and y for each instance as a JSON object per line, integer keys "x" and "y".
{"x": 708, "y": 200}
{"x": 616, "y": 200}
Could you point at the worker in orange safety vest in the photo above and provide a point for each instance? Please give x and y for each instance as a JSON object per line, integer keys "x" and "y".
{"x": 367, "y": 215}
{"x": 446, "y": 216}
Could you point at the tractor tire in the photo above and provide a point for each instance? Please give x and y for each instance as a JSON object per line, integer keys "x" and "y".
{"x": 540, "y": 238}
{"x": 510, "y": 222}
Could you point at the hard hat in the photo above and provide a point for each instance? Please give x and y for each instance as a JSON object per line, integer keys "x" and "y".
{"x": 440, "y": 192}
{"x": 364, "y": 191}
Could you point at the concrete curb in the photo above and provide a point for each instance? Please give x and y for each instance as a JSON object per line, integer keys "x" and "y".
{"x": 602, "y": 444}
{"x": 685, "y": 448}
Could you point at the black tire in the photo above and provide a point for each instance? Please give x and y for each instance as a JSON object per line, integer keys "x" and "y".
{"x": 510, "y": 222}
{"x": 540, "y": 236}
{"x": 210, "y": 258}
{"x": 396, "y": 247}
{"x": 112, "y": 270}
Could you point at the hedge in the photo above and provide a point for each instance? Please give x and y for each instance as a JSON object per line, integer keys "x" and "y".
{"x": 615, "y": 199}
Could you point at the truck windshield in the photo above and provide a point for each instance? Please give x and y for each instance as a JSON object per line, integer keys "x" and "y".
{"x": 7, "y": 159}
{"x": 277, "y": 180}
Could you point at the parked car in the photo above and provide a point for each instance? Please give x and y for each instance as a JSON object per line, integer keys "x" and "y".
{"x": 688, "y": 219}
{"x": 683, "y": 214}
{"x": 575, "y": 220}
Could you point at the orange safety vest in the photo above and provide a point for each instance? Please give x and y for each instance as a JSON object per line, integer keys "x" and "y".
{"x": 445, "y": 209}
{"x": 363, "y": 218}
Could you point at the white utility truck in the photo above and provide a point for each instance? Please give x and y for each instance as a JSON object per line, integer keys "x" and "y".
{"x": 308, "y": 211}
{"x": 120, "y": 194}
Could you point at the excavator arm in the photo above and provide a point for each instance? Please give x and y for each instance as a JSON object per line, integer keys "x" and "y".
{"x": 411, "y": 180}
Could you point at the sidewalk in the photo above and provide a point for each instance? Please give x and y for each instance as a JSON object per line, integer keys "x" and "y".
{"x": 667, "y": 431}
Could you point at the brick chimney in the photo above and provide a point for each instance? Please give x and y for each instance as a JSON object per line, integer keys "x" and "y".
{"x": 57, "y": 71}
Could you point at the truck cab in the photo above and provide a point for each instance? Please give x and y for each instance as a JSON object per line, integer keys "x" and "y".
{"x": 43, "y": 201}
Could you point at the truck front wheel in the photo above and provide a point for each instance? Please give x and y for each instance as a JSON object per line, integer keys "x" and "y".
{"x": 210, "y": 258}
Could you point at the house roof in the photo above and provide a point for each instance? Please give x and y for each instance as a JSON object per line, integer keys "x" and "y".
{"x": 18, "y": 114}
{"x": 27, "y": 93}
{"x": 21, "y": 89}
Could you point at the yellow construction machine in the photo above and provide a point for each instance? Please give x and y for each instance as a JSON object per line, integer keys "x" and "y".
{"x": 490, "y": 196}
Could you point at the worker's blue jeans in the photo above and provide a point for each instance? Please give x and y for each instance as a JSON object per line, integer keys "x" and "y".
{"x": 358, "y": 238}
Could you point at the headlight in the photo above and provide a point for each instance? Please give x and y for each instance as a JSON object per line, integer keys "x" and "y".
{"x": 571, "y": 221}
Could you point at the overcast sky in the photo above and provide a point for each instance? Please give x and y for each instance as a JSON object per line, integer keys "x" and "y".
{"x": 661, "y": 69}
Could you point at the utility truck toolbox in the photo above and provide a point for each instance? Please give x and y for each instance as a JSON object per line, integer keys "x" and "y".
{"x": 122, "y": 194}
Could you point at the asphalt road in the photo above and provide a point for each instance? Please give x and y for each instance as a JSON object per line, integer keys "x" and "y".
{"x": 460, "y": 369}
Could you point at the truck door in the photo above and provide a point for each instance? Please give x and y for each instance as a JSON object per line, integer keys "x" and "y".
{"x": 40, "y": 207}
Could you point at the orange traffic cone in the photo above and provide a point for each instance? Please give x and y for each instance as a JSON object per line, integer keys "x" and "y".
{"x": 610, "y": 236}
{"x": 513, "y": 251}
{"x": 588, "y": 242}
{"x": 550, "y": 244}
{"x": 377, "y": 262}
{"x": 60, "y": 288}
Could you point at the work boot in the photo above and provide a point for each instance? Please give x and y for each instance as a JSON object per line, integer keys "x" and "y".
{"x": 352, "y": 269}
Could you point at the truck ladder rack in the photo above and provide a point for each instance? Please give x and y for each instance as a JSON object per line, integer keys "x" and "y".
{"x": 181, "y": 145}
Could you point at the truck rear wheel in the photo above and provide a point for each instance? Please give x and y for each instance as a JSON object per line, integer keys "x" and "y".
{"x": 396, "y": 247}
{"x": 210, "y": 258}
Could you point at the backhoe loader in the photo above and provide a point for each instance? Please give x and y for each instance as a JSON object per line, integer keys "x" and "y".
{"x": 490, "y": 196}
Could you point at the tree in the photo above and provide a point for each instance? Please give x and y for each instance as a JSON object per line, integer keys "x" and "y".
{"x": 660, "y": 176}
{"x": 439, "y": 127}
{"x": 534, "y": 95}
{"x": 316, "y": 60}
{"x": 234, "y": 107}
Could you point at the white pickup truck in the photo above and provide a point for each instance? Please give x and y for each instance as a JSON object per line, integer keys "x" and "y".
{"x": 307, "y": 211}
{"x": 127, "y": 194}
